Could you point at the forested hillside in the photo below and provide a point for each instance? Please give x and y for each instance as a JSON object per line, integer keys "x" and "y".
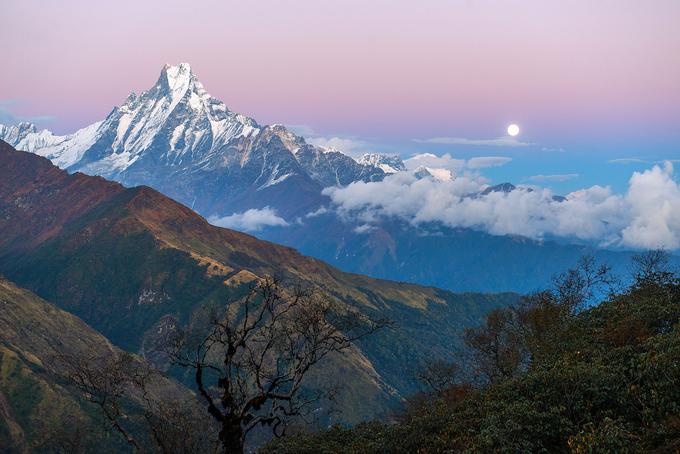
{"x": 548, "y": 376}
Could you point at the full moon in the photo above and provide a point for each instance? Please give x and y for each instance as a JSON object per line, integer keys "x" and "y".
{"x": 513, "y": 130}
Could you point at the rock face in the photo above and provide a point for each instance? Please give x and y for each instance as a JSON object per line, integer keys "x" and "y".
{"x": 177, "y": 138}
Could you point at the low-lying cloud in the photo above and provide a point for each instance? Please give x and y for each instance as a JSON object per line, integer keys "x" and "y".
{"x": 504, "y": 141}
{"x": 446, "y": 161}
{"x": 557, "y": 177}
{"x": 252, "y": 220}
{"x": 647, "y": 215}
{"x": 347, "y": 145}
{"x": 627, "y": 161}
{"x": 7, "y": 116}
{"x": 483, "y": 162}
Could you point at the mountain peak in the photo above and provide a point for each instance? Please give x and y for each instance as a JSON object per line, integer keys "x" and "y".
{"x": 176, "y": 80}
{"x": 388, "y": 163}
{"x": 176, "y": 72}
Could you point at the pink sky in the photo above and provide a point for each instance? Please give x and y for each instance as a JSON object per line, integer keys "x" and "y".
{"x": 372, "y": 68}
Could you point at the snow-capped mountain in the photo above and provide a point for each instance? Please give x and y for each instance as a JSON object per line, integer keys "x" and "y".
{"x": 386, "y": 163}
{"x": 434, "y": 173}
{"x": 179, "y": 139}
{"x": 334, "y": 168}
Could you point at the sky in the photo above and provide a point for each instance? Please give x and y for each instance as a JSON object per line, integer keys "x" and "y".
{"x": 593, "y": 84}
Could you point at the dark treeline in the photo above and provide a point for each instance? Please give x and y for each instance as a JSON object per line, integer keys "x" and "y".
{"x": 587, "y": 366}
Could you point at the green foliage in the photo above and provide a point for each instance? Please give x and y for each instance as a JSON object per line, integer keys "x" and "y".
{"x": 604, "y": 379}
{"x": 100, "y": 281}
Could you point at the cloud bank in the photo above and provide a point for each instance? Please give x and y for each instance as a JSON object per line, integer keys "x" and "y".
{"x": 7, "y": 116}
{"x": 646, "y": 216}
{"x": 558, "y": 178}
{"x": 505, "y": 141}
{"x": 252, "y": 220}
{"x": 627, "y": 161}
{"x": 446, "y": 161}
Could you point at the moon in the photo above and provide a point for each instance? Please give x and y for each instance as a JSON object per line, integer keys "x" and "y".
{"x": 513, "y": 130}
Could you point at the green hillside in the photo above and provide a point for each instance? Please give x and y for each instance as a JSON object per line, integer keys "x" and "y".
{"x": 40, "y": 411}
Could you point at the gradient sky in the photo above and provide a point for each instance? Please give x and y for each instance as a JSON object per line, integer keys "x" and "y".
{"x": 597, "y": 78}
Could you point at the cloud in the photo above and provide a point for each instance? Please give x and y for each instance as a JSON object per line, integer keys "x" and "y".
{"x": 7, "y": 117}
{"x": 559, "y": 177}
{"x": 550, "y": 149}
{"x": 364, "y": 228}
{"x": 445, "y": 161}
{"x": 252, "y": 220}
{"x": 504, "y": 141}
{"x": 347, "y": 145}
{"x": 627, "y": 161}
{"x": 302, "y": 130}
{"x": 654, "y": 198}
{"x": 483, "y": 162}
{"x": 646, "y": 216}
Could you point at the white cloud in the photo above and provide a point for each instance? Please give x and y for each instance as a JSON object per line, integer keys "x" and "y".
{"x": 646, "y": 216}
{"x": 347, "y": 145}
{"x": 302, "y": 130}
{"x": 551, "y": 149}
{"x": 654, "y": 198}
{"x": 364, "y": 228}
{"x": 558, "y": 177}
{"x": 504, "y": 141}
{"x": 318, "y": 212}
{"x": 446, "y": 161}
{"x": 252, "y": 220}
{"x": 627, "y": 161}
{"x": 7, "y": 117}
{"x": 483, "y": 162}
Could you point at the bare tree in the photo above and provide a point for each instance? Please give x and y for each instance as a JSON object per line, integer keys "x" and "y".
{"x": 180, "y": 426}
{"x": 439, "y": 375}
{"x": 576, "y": 287}
{"x": 105, "y": 381}
{"x": 652, "y": 267}
{"x": 149, "y": 416}
{"x": 250, "y": 367}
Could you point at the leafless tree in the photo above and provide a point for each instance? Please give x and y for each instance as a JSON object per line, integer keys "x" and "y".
{"x": 652, "y": 267}
{"x": 149, "y": 417}
{"x": 439, "y": 375}
{"x": 576, "y": 287}
{"x": 105, "y": 381}
{"x": 250, "y": 367}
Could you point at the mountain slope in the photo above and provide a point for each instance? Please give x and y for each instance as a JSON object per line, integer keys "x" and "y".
{"x": 132, "y": 262}
{"x": 458, "y": 259}
{"x": 35, "y": 402}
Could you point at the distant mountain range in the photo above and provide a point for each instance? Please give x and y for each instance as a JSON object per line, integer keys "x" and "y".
{"x": 136, "y": 265}
{"x": 178, "y": 139}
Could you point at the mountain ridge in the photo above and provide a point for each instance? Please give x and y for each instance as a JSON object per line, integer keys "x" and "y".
{"x": 130, "y": 261}
{"x": 179, "y": 139}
